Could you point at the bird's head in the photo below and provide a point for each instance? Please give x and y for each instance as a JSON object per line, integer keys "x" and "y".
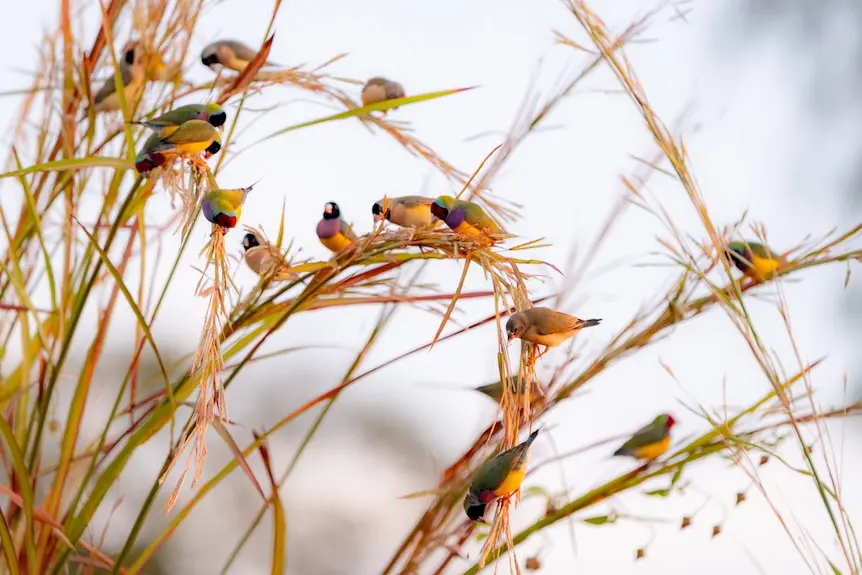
{"x": 133, "y": 53}
{"x": 379, "y": 214}
{"x": 216, "y": 116}
{"x": 474, "y": 508}
{"x": 516, "y": 326}
{"x": 214, "y": 148}
{"x": 440, "y": 207}
{"x": 331, "y": 211}
{"x": 250, "y": 241}
{"x": 209, "y": 57}
{"x": 667, "y": 420}
{"x": 738, "y": 253}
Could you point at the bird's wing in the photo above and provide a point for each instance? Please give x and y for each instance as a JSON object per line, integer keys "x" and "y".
{"x": 548, "y": 321}
{"x": 646, "y": 435}
{"x": 347, "y": 230}
{"x": 190, "y": 132}
{"x": 106, "y": 90}
{"x": 761, "y": 250}
{"x": 476, "y": 216}
{"x": 172, "y": 118}
{"x": 413, "y": 201}
{"x": 240, "y": 50}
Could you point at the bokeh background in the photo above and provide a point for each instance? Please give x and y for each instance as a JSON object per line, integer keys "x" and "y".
{"x": 767, "y": 95}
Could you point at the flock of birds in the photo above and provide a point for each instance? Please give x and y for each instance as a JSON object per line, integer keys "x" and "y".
{"x": 189, "y": 131}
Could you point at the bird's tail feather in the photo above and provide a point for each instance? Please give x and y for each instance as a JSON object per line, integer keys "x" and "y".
{"x": 589, "y": 322}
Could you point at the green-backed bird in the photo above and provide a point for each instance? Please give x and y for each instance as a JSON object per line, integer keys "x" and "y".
{"x": 168, "y": 123}
{"x": 500, "y": 476}
{"x": 265, "y": 259}
{"x": 333, "y": 231}
{"x": 650, "y": 441}
{"x": 192, "y": 137}
{"x": 379, "y": 89}
{"x": 755, "y": 260}
{"x": 231, "y": 54}
{"x": 464, "y": 217}
{"x": 224, "y": 207}
{"x": 405, "y": 211}
{"x": 132, "y": 75}
{"x": 545, "y": 326}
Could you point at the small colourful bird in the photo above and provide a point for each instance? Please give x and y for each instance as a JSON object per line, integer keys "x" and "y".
{"x": 754, "y": 260}
{"x": 190, "y": 138}
{"x": 334, "y": 232}
{"x": 230, "y": 54}
{"x": 265, "y": 259}
{"x": 379, "y": 89}
{"x": 224, "y": 207}
{"x": 133, "y": 77}
{"x": 464, "y": 217}
{"x": 545, "y": 326}
{"x": 406, "y": 211}
{"x": 168, "y": 123}
{"x": 500, "y": 476}
{"x": 650, "y": 441}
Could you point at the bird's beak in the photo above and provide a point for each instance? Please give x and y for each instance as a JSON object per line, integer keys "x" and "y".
{"x": 509, "y": 337}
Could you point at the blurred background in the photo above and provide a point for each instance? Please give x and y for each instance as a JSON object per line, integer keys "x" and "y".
{"x": 767, "y": 96}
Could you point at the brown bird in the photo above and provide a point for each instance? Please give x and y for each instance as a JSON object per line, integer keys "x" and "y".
{"x": 544, "y": 326}
{"x": 379, "y": 89}
{"x": 265, "y": 259}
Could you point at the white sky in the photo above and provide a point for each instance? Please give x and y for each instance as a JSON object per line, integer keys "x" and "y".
{"x": 746, "y": 156}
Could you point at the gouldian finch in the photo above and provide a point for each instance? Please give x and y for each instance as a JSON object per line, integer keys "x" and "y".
{"x": 231, "y": 54}
{"x": 168, "y": 123}
{"x": 650, "y": 441}
{"x": 379, "y": 89}
{"x": 406, "y": 211}
{"x": 545, "y": 326}
{"x": 755, "y": 260}
{"x": 463, "y": 217}
{"x": 190, "y": 138}
{"x": 132, "y": 75}
{"x": 265, "y": 259}
{"x": 334, "y": 232}
{"x": 224, "y": 207}
{"x": 500, "y": 476}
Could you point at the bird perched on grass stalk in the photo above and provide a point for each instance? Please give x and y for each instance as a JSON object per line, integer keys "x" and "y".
{"x": 650, "y": 441}
{"x": 500, "y": 476}
{"x": 168, "y": 123}
{"x": 230, "y": 54}
{"x": 465, "y": 218}
{"x": 405, "y": 211}
{"x": 190, "y": 139}
{"x": 545, "y": 326}
{"x": 265, "y": 259}
{"x": 333, "y": 231}
{"x": 132, "y": 75}
{"x": 224, "y": 207}
{"x": 754, "y": 260}
{"x": 379, "y": 89}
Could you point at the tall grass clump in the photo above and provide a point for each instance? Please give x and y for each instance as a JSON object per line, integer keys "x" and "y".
{"x": 65, "y": 159}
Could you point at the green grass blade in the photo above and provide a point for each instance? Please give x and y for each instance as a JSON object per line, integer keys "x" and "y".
{"x": 388, "y": 104}
{"x": 72, "y": 164}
